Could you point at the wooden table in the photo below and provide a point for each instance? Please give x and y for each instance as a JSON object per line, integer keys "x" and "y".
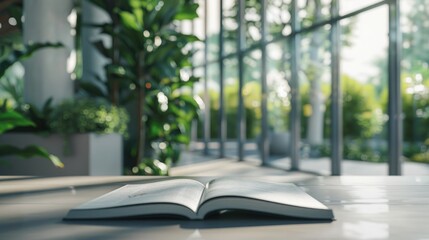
{"x": 364, "y": 207}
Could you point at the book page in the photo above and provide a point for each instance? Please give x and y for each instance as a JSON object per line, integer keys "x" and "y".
{"x": 283, "y": 193}
{"x": 184, "y": 192}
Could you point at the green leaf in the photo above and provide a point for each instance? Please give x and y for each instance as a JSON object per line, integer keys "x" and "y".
{"x": 149, "y": 19}
{"x": 12, "y": 119}
{"x": 167, "y": 13}
{"x": 138, "y": 13}
{"x": 30, "y": 151}
{"x": 19, "y": 55}
{"x": 181, "y": 138}
{"x": 129, "y": 21}
{"x": 92, "y": 89}
{"x": 187, "y": 38}
{"x": 187, "y": 12}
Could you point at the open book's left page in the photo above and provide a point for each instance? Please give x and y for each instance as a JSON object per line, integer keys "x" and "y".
{"x": 184, "y": 192}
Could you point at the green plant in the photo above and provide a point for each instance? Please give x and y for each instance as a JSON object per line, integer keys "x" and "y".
{"x": 148, "y": 70}
{"x": 9, "y": 118}
{"x": 86, "y": 115}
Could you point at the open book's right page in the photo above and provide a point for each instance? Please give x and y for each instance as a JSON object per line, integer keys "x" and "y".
{"x": 281, "y": 193}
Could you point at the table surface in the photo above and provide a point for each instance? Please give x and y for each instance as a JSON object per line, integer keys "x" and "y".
{"x": 364, "y": 207}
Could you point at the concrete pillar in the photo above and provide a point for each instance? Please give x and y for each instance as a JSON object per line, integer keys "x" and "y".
{"x": 93, "y": 61}
{"x": 48, "y": 71}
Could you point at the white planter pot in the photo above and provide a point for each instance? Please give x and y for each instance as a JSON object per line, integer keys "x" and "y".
{"x": 90, "y": 154}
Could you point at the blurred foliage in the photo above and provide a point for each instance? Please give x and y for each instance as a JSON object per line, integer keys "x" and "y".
{"x": 87, "y": 115}
{"x": 149, "y": 167}
{"x": 415, "y": 110}
{"x": 362, "y": 112}
{"x": 363, "y": 151}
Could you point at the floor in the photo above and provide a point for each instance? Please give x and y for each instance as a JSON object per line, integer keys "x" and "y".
{"x": 194, "y": 163}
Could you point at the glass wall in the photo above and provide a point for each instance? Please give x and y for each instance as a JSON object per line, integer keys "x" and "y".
{"x": 330, "y": 68}
{"x": 315, "y": 82}
{"x": 278, "y": 103}
{"x": 364, "y": 56}
{"x": 231, "y": 105}
{"x": 415, "y": 82}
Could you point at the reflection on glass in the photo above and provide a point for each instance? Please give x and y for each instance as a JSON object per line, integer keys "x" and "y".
{"x": 313, "y": 11}
{"x": 252, "y": 101}
{"x": 278, "y": 99}
{"x": 415, "y": 81}
{"x": 315, "y": 82}
{"x": 364, "y": 85}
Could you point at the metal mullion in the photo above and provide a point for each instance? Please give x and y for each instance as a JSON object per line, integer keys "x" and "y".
{"x": 336, "y": 107}
{"x": 394, "y": 85}
{"x": 206, "y": 131}
{"x": 264, "y": 110}
{"x": 222, "y": 120}
{"x": 295, "y": 122}
{"x": 194, "y": 124}
{"x": 240, "y": 46}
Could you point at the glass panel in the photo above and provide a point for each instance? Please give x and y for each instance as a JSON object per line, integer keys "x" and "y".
{"x": 230, "y": 25}
{"x": 252, "y": 17}
{"x": 415, "y": 85}
{"x": 252, "y": 102}
{"x": 198, "y": 57}
{"x": 278, "y": 103}
{"x": 313, "y": 11}
{"x": 213, "y": 29}
{"x": 278, "y": 18}
{"x": 348, "y": 6}
{"x": 214, "y": 91}
{"x": 315, "y": 82}
{"x": 364, "y": 57}
{"x": 231, "y": 105}
{"x": 198, "y": 128}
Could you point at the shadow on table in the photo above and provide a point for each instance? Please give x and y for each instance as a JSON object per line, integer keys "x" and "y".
{"x": 228, "y": 219}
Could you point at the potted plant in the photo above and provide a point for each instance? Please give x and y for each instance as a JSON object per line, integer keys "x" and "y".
{"x": 85, "y": 134}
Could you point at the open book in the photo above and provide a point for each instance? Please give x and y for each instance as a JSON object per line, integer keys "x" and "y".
{"x": 194, "y": 200}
